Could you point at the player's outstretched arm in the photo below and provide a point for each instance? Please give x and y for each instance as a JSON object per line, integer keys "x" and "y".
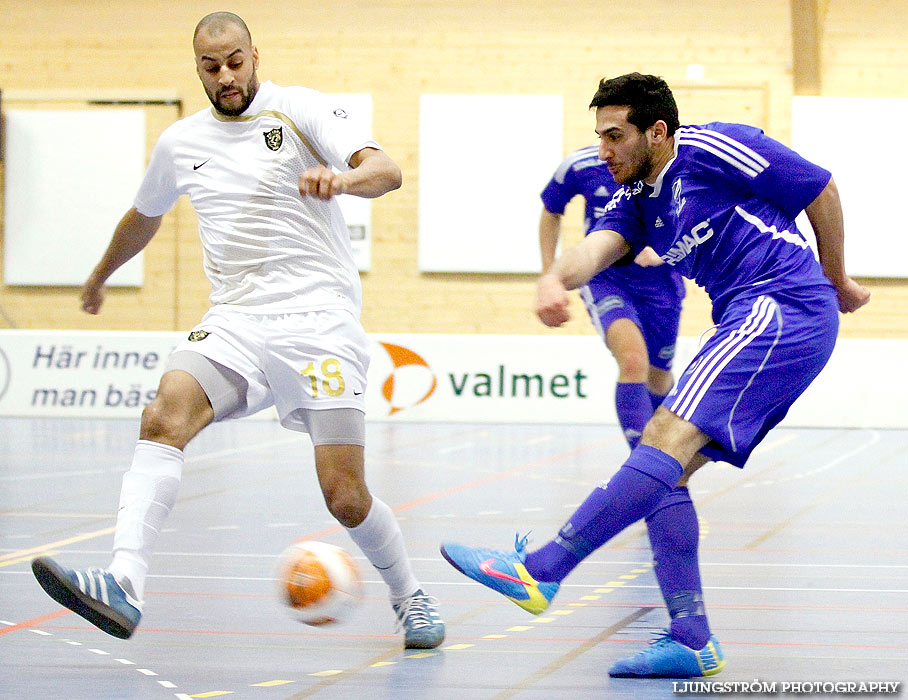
{"x": 594, "y": 253}
{"x": 549, "y": 233}
{"x": 130, "y": 236}
{"x": 373, "y": 174}
{"x": 574, "y": 269}
{"x": 825, "y": 215}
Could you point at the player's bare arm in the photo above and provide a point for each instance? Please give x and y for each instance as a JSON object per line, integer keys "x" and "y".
{"x": 130, "y": 237}
{"x": 593, "y": 254}
{"x": 549, "y": 233}
{"x": 574, "y": 269}
{"x": 825, "y": 215}
{"x": 373, "y": 174}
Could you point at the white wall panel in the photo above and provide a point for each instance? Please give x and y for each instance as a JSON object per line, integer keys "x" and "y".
{"x": 70, "y": 177}
{"x": 483, "y": 161}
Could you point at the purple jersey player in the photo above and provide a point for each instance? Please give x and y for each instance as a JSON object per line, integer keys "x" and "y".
{"x": 634, "y": 309}
{"x": 717, "y": 203}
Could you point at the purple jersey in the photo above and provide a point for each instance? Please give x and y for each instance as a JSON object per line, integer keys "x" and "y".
{"x": 582, "y": 173}
{"x": 722, "y": 213}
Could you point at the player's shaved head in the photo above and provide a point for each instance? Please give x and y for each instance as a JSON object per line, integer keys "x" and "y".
{"x": 218, "y": 22}
{"x": 226, "y": 62}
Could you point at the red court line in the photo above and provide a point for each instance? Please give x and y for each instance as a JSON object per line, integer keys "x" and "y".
{"x": 475, "y": 483}
{"x": 35, "y": 621}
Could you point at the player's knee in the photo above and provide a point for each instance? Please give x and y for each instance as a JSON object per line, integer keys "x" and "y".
{"x": 633, "y": 366}
{"x": 675, "y": 436}
{"x": 660, "y": 382}
{"x": 161, "y": 423}
{"x": 349, "y": 506}
{"x": 341, "y": 476}
{"x": 657, "y": 432}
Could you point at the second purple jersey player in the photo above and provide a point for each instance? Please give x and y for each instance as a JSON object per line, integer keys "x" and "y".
{"x": 635, "y": 309}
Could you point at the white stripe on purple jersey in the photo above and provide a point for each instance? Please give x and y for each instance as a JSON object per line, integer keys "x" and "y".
{"x": 706, "y": 371}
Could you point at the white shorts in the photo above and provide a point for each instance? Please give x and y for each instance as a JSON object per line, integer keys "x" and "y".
{"x": 297, "y": 362}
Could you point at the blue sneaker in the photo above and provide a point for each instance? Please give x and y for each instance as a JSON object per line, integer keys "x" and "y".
{"x": 419, "y": 618}
{"x": 667, "y": 658}
{"x": 92, "y": 593}
{"x": 503, "y": 572}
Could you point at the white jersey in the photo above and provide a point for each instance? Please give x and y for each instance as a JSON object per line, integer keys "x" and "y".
{"x": 266, "y": 249}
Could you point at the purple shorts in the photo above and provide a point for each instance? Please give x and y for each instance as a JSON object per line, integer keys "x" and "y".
{"x": 766, "y": 351}
{"x": 657, "y": 318}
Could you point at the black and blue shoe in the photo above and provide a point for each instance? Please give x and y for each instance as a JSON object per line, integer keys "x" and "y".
{"x": 92, "y": 593}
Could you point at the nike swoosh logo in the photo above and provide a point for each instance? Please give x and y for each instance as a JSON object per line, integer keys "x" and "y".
{"x": 199, "y": 165}
{"x": 486, "y": 568}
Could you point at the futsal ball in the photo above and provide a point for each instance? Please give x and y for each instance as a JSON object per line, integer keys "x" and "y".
{"x": 319, "y": 582}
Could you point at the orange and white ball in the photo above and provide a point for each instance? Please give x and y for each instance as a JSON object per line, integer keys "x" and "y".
{"x": 319, "y": 582}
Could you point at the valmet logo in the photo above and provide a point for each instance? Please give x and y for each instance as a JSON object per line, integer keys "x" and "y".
{"x": 412, "y": 382}
{"x": 506, "y": 384}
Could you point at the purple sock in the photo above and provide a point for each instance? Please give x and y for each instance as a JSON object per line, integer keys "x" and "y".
{"x": 635, "y": 489}
{"x": 634, "y": 408}
{"x": 674, "y": 533}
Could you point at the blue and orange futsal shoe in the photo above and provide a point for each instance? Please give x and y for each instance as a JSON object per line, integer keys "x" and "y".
{"x": 667, "y": 658}
{"x": 503, "y": 572}
{"x": 92, "y": 593}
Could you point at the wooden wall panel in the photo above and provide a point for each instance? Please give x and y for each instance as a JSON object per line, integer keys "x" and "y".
{"x": 399, "y": 49}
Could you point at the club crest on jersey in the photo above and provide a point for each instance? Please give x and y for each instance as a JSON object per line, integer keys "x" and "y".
{"x": 274, "y": 138}
{"x": 196, "y": 336}
{"x": 676, "y": 195}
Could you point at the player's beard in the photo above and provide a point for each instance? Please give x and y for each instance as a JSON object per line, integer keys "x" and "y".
{"x": 247, "y": 94}
{"x": 641, "y": 169}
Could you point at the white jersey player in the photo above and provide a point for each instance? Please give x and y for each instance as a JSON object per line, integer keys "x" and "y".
{"x": 262, "y": 169}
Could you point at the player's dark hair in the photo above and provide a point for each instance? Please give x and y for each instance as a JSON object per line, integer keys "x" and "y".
{"x": 217, "y": 22}
{"x": 648, "y": 97}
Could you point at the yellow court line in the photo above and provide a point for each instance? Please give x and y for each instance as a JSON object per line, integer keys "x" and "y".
{"x": 22, "y": 560}
{"x": 567, "y": 658}
{"x": 54, "y": 545}
{"x": 268, "y": 684}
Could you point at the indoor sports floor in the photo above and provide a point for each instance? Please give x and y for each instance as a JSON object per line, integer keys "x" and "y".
{"x": 804, "y": 557}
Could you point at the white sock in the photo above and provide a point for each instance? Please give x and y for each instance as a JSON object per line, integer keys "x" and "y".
{"x": 380, "y": 539}
{"x": 148, "y": 493}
